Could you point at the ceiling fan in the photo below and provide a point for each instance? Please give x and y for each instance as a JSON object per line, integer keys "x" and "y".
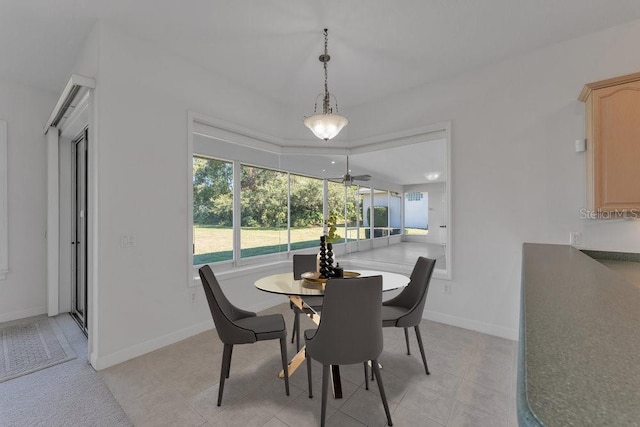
{"x": 347, "y": 178}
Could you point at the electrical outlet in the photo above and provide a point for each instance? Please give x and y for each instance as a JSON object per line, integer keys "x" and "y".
{"x": 575, "y": 238}
{"x": 127, "y": 240}
{"x": 447, "y": 288}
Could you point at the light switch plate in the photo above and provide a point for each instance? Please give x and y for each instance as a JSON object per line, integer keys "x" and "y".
{"x": 575, "y": 239}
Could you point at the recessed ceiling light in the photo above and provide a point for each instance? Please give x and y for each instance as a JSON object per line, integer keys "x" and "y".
{"x": 333, "y": 162}
{"x": 432, "y": 176}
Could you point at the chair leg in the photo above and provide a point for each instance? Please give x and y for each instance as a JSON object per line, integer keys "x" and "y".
{"x": 229, "y": 367}
{"x": 309, "y": 373}
{"x": 224, "y": 371}
{"x": 406, "y": 338}
{"x": 376, "y": 369}
{"x": 285, "y": 363}
{"x": 424, "y": 358}
{"x": 366, "y": 375}
{"x": 325, "y": 390}
{"x": 296, "y": 320}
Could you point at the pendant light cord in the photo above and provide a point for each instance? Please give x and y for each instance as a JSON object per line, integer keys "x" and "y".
{"x": 325, "y": 104}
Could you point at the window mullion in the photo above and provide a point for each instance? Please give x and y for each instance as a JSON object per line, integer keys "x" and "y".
{"x": 288, "y": 212}
{"x": 325, "y": 205}
{"x": 237, "y": 177}
{"x": 371, "y": 213}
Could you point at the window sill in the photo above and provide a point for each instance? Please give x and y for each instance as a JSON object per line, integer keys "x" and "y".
{"x": 245, "y": 270}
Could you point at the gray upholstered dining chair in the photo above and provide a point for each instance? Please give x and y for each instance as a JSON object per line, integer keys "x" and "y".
{"x": 303, "y": 263}
{"x": 405, "y": 310}
{"x": 350, "y": 331}
{"x": 237, "y": 326}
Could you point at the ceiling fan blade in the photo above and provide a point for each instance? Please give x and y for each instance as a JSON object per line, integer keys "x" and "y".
{"x": 348, "y": 179}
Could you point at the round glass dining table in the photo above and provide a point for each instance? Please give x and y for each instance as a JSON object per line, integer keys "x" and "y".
{"x": 296, "y": 290}
{"x": 285, "y": 284}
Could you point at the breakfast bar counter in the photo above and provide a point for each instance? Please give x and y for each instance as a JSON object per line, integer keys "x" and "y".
{"x": 579, "y": 349}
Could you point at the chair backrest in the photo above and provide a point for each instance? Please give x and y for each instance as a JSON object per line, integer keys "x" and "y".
{"x": 350, "y": 329}
{"x": 223, "y": 312}
{"x": 303, "y": 263}
{"x": 414, "y": 295}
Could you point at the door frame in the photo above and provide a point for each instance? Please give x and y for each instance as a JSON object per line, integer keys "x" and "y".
{"x": 81, "y": 317}
{"x": 83, "y": 115}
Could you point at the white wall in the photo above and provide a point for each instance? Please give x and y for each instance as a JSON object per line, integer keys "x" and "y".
{"x": 416, "y": 212}
{"x": 516, "y": 177}
{"x": 144, "y": 95}
{"x": 23, "y": 293}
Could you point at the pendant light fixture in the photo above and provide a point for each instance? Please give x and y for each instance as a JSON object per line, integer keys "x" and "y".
{"x": 328, "y": 124}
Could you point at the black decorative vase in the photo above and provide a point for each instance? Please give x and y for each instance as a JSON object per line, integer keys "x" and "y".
{"x": 330, "y": 260}
{"x": 323, "y": 258}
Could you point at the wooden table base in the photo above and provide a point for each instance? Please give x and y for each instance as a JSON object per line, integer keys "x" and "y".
{"x": 300, "y": 357}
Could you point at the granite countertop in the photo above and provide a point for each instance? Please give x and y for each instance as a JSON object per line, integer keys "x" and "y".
{"x": 579, "y": 359}
{"x": 625, "y": 264}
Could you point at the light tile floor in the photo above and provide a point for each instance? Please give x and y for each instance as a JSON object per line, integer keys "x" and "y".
{"x": 472, "y": 383}
{"x": 400, "y": 253}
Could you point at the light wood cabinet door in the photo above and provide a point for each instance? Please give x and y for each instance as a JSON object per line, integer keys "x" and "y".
{"x": 613, "y": 148}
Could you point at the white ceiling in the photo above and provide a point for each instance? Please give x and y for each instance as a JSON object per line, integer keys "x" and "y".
{"x": 271, "y": 47}
{"x": 405, "y": 165}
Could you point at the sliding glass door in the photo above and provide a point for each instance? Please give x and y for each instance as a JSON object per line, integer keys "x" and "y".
{"x": 79, "y": 231}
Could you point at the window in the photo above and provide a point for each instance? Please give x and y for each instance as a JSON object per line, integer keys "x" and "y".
{"x": 212, "y": 210}
{"x": 335, "y": 199}
{"x": 424, "y": 156}
{"x": 263, "y": 211}
{"x": 305, "y": 209}
{"x": 414, "y": 196}
{"x": 364, "y": 194}
{"x": 380, "y": 213}
{"x": 355, "y": 228}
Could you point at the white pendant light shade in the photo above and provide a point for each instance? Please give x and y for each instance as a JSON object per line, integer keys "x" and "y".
{"x": 326, "y": 126}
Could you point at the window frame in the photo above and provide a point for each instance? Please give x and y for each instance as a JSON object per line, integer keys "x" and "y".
{"x": 244, "y": 138}
{"x": 238, "y": 260}
{"x": 239, "y": 223}
{"x": 233, "y": 218}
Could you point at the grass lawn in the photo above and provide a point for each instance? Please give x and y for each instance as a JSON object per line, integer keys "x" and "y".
{"x": 416, "y": 231}
{"x": 215, "y": 244}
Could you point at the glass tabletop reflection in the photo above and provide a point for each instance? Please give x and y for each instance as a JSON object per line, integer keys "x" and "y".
{"x": 285, "y": 284}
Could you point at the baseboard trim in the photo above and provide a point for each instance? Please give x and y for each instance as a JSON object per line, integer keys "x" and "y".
{"x": 103, "y": 362}
{"x": 474, "y": 325}
{"x": 21, "y": 314}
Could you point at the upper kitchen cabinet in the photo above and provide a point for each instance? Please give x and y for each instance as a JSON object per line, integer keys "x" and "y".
{"x": 613, "y": 145}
